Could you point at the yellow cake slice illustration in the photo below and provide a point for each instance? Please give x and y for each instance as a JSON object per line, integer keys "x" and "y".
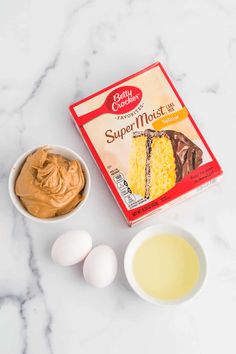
{"x": 160, "y": 159}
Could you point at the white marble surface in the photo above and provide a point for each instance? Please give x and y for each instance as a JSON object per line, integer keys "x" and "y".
{"x": 53, "y": 52}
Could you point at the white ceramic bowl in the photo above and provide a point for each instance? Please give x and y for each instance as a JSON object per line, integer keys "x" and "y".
{"x": 15, "y": 170}
{"x": 156, "y": 230}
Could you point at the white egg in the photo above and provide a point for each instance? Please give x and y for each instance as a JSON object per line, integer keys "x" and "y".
{"x": 100, "y": 266}
{"x": 71, "y": 247}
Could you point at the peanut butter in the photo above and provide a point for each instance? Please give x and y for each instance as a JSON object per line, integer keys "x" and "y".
{"x": 49, "y": 184}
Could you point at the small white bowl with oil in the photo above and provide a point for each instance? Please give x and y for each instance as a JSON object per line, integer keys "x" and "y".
{"x": 165, "y": 264}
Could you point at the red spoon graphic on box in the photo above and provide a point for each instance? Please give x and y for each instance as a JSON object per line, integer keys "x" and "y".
{"x": 119, "y": 101}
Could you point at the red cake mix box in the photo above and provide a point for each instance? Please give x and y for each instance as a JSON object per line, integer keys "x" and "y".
{"x": 145, "y": 142}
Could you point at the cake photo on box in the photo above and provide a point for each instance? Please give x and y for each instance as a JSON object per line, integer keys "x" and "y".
{"x": 160, "y": 159}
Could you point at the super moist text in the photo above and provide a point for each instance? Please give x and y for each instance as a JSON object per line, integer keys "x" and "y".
{"x": 140, "y": 121}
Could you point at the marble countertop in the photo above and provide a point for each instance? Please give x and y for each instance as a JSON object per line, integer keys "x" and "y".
{"x": 54, "y": 52}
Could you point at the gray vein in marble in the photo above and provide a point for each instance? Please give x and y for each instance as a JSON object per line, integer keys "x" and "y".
{"x": 180, "y": 77}
{"x": 227, "y": 10}
{"x": 20, "y": 302}
{"x": 103, "y": 31}
{"x": 228, "y": 274}
{"x": 222, "y": 242}
{"x": 75, "y": 11}
{"x": 21, "y": 129}
{"x": 161, "y": 49}
{"x": 130, "y": 2}
{"x": 38, "y": 83}
{"x": 37, "y": 279}
{"x": 96, "y": 333}
{"x": 78, "y": 92}
{"x": 34, "y": 290}
{"x": 213, "y": 89}
{"x": 86, "y": 66}
{"x": 200, "y": 219}
{"x": 14, "y": 224}
{"x": 231, "y": 47}
{"x": 25, "y": 327}
{"x": 72, "y": 15}
{"x": 3, "y": 175}
{"x": 52, "y": 65}
{"x": 4, "y": 87}
{"x": 31, "y": 260}
{"x": 163, "y": 55}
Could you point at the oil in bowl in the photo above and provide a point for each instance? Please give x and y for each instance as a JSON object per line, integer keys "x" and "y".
{"x": 165, "y": 264}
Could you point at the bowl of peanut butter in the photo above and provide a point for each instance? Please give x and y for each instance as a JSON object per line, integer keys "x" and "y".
{"x": 49, "y": 183}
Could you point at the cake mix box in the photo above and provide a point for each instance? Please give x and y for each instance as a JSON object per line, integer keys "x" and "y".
{"x": 145, "y": 143}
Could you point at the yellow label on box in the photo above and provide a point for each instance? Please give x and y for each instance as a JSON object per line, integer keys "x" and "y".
{"x": 170, "y": 119}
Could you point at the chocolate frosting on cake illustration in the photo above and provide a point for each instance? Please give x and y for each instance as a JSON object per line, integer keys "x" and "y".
{"x": 160, "y": 159}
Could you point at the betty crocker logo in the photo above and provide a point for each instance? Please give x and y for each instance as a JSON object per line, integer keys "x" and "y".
{"x": 119, "y": 101}
{"x": 123, "y": 99}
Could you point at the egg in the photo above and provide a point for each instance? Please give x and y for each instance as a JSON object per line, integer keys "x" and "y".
{"x": 100, "y": 266}
{"x": 71, "y": 247}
